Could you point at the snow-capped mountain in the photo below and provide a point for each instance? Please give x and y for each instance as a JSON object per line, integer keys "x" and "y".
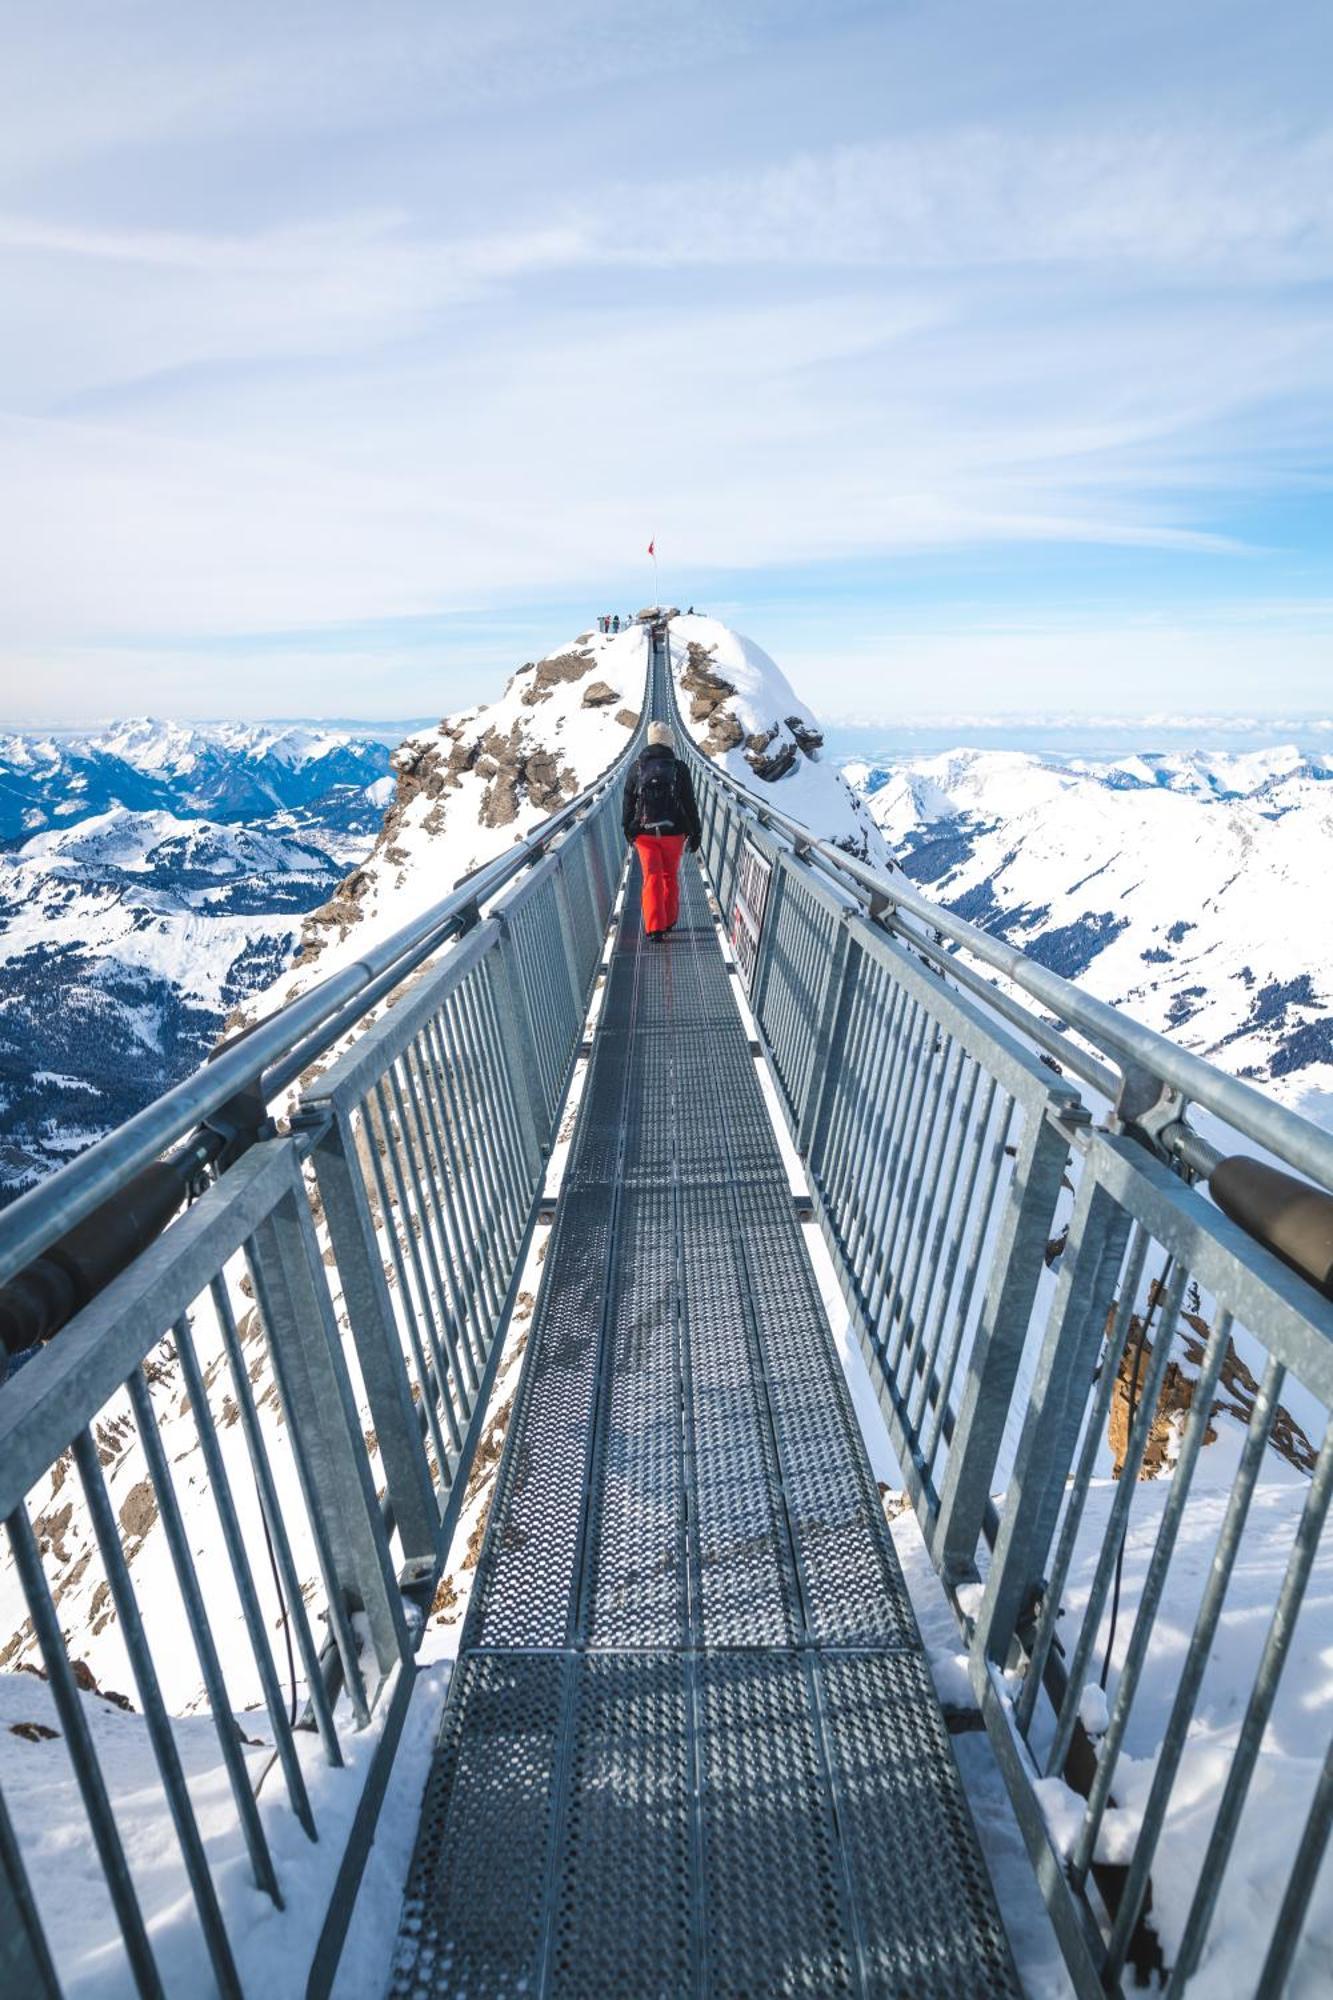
{"x": 468, "y": 788}
{"x": 129, "y": 928}
{"x": 741, "y": 709}
{"x": 222, "y": 770}
{"x": 1189, "y": 888}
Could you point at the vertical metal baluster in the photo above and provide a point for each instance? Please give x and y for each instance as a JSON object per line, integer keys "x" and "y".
{"x": 461, "y": 1236}
{"x": 438, "y": 1314}
{"x": 1274, "y": 1658}
{"x": 1300, "y": 1884}
{"x": 480, "y": 1117}
{"x": 935, "y": 1125}
{"x": 1094, "y": 1431}
{"x": 201, "y": 1634}
{"x": 967, "y": 1285}
{"x": 277, "y": 1526}
{"x": 908, "y": 1126}
{"x": 156, "y": 1720}
{"x": 1145, "y": 1615}
{"x": 892, "y": 1115}
{"x": 25, "y": 1958}
{"x": 524, "y": 1180}
{"x": 407, "y": 1091}
{"x": 843, "y": 1102}
{"x": 1196, "y": 1661}
{"x": 463, "y": 1191}
{"x": 1144, "y": 1417}
{"x": 871, "y": 1070}
{"x": 492, "y": 1097}
{"x": 339, "y": 1623}
{"x": 220, "y": 1487}
{"x": 442, "y": 1360}
{"x": 943, "y": 1263}
{"x": 87, "y": 1770}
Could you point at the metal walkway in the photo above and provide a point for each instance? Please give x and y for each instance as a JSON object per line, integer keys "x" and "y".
{"x": 692, "y": 1744}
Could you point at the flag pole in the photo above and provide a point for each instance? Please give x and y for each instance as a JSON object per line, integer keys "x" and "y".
{"x": 657, "y": 594}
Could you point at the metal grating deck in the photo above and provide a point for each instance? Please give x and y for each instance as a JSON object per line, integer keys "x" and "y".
{"x": 692, "y": 1745}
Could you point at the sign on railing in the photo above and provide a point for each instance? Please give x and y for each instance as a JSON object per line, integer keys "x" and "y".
{"x": 754, "y": 872}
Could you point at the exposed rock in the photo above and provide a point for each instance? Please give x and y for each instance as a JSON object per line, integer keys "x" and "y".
{"x": 628, "y": 718}
{"x": 138, "y": 1510}
{"x": 724, "y": 733}
{"x": 771, "y": 767}
{"x": 1235, "y": 1398}
{"x": 570, "y": 666}
{"x": 599, "y": 695}
{"x": 700, "y": 680}
{"x": 807, "y": 739}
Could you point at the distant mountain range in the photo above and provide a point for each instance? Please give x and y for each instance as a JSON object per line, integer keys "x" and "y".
{"x": 152, "y": 877}
{"x": 1189, "y": 887}
{"x": 224, "y": 770}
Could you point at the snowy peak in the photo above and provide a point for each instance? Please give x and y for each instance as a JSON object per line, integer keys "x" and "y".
{"x": 743, "y": 713}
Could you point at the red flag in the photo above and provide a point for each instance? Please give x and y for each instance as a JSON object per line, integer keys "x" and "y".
{"x": 652, "y": 546}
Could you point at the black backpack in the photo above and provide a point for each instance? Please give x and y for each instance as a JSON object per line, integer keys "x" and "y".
{"x": 659, "y": 806}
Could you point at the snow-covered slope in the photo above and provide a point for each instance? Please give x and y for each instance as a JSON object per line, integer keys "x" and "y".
{"x": 133, "y": 920}
{"x": 1191, "y": 889}
{"x": 467, "y": 789}
{"x": 742, "y": 711}
{"x": 124, "y": 942}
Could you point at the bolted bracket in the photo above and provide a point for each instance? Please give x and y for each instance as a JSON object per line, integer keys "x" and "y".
{"x": 1146, "y": 1106}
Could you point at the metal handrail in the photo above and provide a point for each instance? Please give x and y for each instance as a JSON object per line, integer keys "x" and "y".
{"x": 272, "y": 1054}
{"x": 1128, "y": 1043}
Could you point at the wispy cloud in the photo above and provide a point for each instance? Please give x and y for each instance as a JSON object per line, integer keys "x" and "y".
{"x": 411, "y": 310}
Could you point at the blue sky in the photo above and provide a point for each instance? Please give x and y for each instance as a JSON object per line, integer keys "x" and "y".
{"x": 972, "y": 357}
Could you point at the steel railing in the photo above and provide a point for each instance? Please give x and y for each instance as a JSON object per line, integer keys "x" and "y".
{"x": 290, "y": 1382}
{"x": 1017, "y": 1254}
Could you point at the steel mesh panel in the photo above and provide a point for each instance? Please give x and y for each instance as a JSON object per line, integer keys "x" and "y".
{"x": 623, "y": 1919}
{"x": 747, "y": 1588}
{"x": 927, "y": 1918}
{"x": 636, "y": 1519}
{"x": 529, "y": 1563}
{"x": 474, "y": 1912}
{"x": 775, "y": 1913}
{"x": 854, "y": 1591}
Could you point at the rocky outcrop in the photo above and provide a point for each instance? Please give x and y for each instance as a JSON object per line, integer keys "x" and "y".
{"x": 548, "y": 674}
{"x": 628, "y": 718}
{"x": 768, "y": 762}
{"x": 1235, "y": 1397}
{"x": 708, "y": 693}
{"x": 599, "y": 695}
{"x": 702, "y": 683}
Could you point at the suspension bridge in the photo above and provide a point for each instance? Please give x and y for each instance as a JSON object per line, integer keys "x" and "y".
{"x": 692, "y": 1743}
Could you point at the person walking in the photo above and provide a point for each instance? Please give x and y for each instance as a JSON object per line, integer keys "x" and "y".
{"x": 660, "y": 816}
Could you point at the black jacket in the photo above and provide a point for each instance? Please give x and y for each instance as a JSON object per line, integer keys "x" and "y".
{"x": 685, "y": 819}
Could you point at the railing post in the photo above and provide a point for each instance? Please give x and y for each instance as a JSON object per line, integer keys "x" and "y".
{"x": 321, "y": 1416}
{"x": 25, "y": 1963}
{"x": 1017, "y": 1262}
{"x": 1085, "y": 1294}
{"x": 374, "y": 1330}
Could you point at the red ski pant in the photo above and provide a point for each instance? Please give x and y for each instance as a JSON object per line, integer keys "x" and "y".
{"x": 659, "y": 858}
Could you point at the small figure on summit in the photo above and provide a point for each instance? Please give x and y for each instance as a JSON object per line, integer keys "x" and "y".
{"x": 660, "y": 815}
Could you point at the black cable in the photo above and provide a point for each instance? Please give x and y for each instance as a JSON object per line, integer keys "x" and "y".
{"x": 1153, "y": 1303}
{"x": 277, "y": 1585}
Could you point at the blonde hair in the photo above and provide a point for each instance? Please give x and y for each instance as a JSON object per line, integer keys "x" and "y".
{"x": 660, "y": 733}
